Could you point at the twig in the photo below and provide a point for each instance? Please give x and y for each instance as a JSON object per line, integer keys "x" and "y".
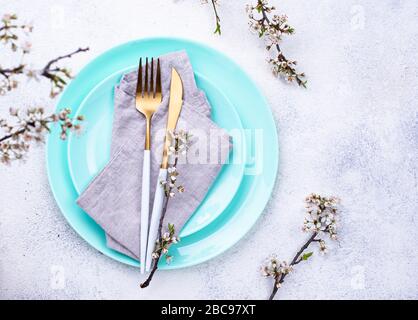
{"x": 281, "y": 56}
{"x": 156, "y": 260}
{"x": 160, "y": 227}
{"x": 5, "y": 27}
{"x": 217, "y": 18}
{"x": 58, "y": 76}
{"x": 273, "y": 28}
{"x": 296, "y": 260}
{"x": 320, "y": 220}
{"x": 16, "y": 70}
{"x": 8, "y": 136}
{"x": 31, "y": 126}
{"x": 47, "y": 69}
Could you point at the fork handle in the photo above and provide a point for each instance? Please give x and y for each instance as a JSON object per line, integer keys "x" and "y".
{"x": 145, "y": 207}
{"x": 157, "y": 209}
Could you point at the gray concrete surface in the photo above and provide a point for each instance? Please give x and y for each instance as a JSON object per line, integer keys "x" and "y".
{"x": 353, "y": 133}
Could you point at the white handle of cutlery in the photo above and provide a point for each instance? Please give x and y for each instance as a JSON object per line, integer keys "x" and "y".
{"x": 157, "y": 209}
{"x": 145, "y": 207}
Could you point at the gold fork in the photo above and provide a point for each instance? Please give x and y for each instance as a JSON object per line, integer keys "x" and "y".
{"x": 147, "y": 101}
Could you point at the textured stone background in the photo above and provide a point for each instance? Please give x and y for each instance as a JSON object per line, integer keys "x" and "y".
{"x": 352, "y": 133}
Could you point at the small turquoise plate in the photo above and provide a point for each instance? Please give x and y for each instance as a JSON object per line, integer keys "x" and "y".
{"x": 90, "y": 152}
{"x": 240, "y": 192}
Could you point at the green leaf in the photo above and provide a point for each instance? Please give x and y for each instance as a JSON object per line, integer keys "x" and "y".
{"x": 218, "y": 29}
{"x": 171, "y": 228}
{"x": 307, "y": 255}
{"x": 261, "y": 32}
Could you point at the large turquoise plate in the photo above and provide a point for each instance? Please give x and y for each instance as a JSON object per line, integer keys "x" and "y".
{"x": 217, "y": 75}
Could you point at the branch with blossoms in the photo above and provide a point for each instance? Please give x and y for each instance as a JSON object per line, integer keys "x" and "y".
{"x": 320, "y": 221}
{"x": 272, "y": 27}
{"x": 11, "y": 32}
{"x": 180, "y": 142}
{"x": 31, "y": 126}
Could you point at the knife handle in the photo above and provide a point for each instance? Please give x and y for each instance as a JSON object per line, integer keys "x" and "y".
{"x": 145, "y": 207}
{"x": 157, "y": 209}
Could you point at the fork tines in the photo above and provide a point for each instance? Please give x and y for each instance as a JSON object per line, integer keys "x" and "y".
{"x": 146, "y": 86}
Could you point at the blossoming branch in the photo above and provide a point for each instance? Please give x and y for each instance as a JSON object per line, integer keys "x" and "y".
{"x": 31, "y": 126}
{"x": 180, "y": 142}
{"x": 320, "y": 221}
{"x": 272, "y": 27}
{"x": 11, "y": 32}
{"x": 24, "y": 127}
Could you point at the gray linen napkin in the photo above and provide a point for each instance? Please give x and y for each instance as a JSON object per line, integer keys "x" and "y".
{"x": 113, "y": 197}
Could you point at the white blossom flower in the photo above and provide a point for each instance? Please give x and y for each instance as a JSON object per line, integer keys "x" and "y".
{"x": 7, "y": 17}
{"x": 32, "y": 74}
{"x": 171, "y": 169}
{"x": 163, "y": 244}
{"x": 322, "y": 247}
{"x": 28, "y": 27}
{"x": 166, "y": 236}
{"x": 26, "y": 47}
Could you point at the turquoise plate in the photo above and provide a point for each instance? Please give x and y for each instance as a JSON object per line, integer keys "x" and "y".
{"x": 222, "y": 80}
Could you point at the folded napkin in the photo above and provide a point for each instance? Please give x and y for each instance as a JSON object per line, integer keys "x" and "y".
{"x": 113, "y": 197}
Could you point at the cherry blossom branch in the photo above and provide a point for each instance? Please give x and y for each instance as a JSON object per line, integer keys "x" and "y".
{"x": 272, "y": 29}
{"x": 157, "y": 253}
{"x": 179, "y": 145}
{"x": 31, "y": 126}
{"x": 320, "y": 220}
{"x": 58, "y": 76}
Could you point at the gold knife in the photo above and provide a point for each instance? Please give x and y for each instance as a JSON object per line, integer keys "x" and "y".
{"x": 174, "y": 108}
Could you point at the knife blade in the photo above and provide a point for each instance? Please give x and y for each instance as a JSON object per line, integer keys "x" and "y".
{"x": 174, "y": 108}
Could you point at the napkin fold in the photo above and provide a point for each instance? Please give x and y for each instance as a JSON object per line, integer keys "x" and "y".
{"x": 113, "y": 197}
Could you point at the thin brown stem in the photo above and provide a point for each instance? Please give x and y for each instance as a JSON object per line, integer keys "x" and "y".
{"x": 8, "y": 136}
{"x": 151, "y": 275}
{"x": 16, "y": 70}
{"x": 47, "y": 69}
{"x": 6, "y": 28}
{"x": 13, "y": 26}
{"x": 155, "y": 262}
{"x": 217, "y": 18}
{"x": 296, "y": 259}
{"x": 21, "y": 131}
